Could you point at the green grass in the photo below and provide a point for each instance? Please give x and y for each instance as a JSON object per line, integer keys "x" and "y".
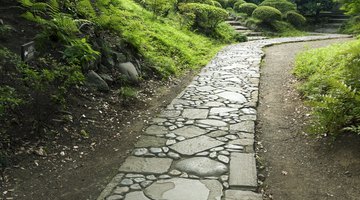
{"x": 164, "y": 44}
{"x": 331, "y": 83}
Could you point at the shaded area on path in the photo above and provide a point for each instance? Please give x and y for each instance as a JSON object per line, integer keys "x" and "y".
{"x": 300, "y": 167}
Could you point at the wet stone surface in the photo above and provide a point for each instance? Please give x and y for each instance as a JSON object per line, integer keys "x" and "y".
{"x": 202, "y": 143}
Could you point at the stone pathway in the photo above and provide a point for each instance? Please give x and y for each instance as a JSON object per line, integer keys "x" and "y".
{"x": 240, "y": 28}
{"x": 201, "y": 147}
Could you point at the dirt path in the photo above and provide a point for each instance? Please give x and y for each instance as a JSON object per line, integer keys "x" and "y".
{"x": 297, "y": 166}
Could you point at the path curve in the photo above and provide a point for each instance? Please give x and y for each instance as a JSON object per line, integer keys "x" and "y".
{"x": 202, "y": 145}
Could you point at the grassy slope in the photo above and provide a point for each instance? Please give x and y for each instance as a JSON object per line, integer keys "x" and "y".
{"x": 162, "y": 41}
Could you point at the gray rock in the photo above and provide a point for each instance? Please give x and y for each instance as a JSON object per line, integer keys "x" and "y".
{"x": 223, "y": 159}
{"x": 175, "y": 172}
{"x": 246, "y": 126}
{"x": 128, "y": 70}
{"x": 156, "y": 130}
{"x": 93, "y": 80}
{"x": 195, "y": 113}
{"x": 189, "y": 131}
{"x": 234, "y": 146}
{"x": 212, "y": 122}
{"x": 155, "y": 150}
{"x": 233, "y": 96}
{"x": 174, "y": 155}
{"x": 134, "y": 176}
{"x": 195, "y": 145}
{"x": 181, "y": 189}
{"x": 150, "y": 141}
{"x": 136, "y": 196}
{"x": 135, "y": 187}
{"x": 121, "y": 190}
{"x": 242, "y": 195}
{"x": 126, "y": 181}
{"x": 243, "y": 171}
{"x": 243, "y": 142}
{"x": 140, "y": 151}
{"x": 201, "y": 166}
{"x": 217, "y": 134}
{"x": 139, "y": 180}
{"x": 115, "y": 197}
{"x": 151, "y": 177}
{"x": 107, "y": 78}
{"x": 146, "y": 165}
{"x": 145, "y": 184}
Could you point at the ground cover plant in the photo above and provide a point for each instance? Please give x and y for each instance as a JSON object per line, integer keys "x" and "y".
{"x": 330, "y": 83}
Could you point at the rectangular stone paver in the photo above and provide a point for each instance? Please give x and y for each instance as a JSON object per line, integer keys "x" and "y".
{"x": 241, "y": 195}
{"x": 243, "y": 171}
{"x": 146, "y": 165}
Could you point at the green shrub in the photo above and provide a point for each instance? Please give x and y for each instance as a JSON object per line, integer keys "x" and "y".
{"x": 284, "y": 29}
{"x": 206, "y": 17}
{"x": 237, "y": 4}
{"x": 231, "y": 3}
{"x": 331, "y": 84}
{"x": 5, "y": 31}
{"x": 159, "y": 7}
{"x": 295, "y": 18}
{"x": 267, "y": 14}
{"x": 223, "y": 3}
{"x": 247, "y": 8}
{"x": 282, "y": 5}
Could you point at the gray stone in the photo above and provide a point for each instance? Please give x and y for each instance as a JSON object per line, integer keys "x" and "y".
{"x": 233, "y": 96}
{"x": 201, "y": 166}
{"x": 226, "y": 153}
{"x": 164, "y": 176}
{"x": 223, "y": 159}
{"x": 146, "y": 165}
{"x": 136, "y": 196}
{"x": 107, "y": 78}
{"x": 170, "y": 142}
{"x": 144, "y": 184}
{"x": 182, "y": 189}
{"x": 175, "y": 172}
{"x": 150, "y": 141}
{"x": 140, "y": 151}
{"x": 217, "y": 134}
{"x": 174, "y": 155}
{"x": 155, "y": 150}
{"x": 180, "y": 138}
{"x": 93, "y": 80}
{"x": 134, "y": 176}
{"x": 246, "y": 126}
{"x": 126, "y": 181}
{"x": 242, "y": 195}
{"x": 190, "y": 131}
{"x": 139, "y": 180}
{"x": 156, "y": 130}
{"x": 151, "y": 177}
{"x": 129, "y": 71}
{"x": 195, "y": 145}
{"x": 170, "y": 113}
{"x": 223, "y": 110}
{"x": 205, "y": 88}
{"x": 224, "y": 178}
{"x": 121, "y": 190}
{"x": 165, "y": 149}
{"x": 115, "y": 197}
{"x": 234, "y": 146}
{"x": 170, "y": 135}
{"x": 231, "y": 137}
{"x": 243, "y": 171}
{"x": 195, "y": 113}
{"x": 135, "y": 187}
{"x": 243, "y": 142}
{"x": 205, "y": 153}
{"x": 213, "y": 154}
{"x": 212, "y": 122}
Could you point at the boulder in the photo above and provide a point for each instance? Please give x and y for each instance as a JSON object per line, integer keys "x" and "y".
{"x": 129, "y": 71}
{"x": 94, "y": 81}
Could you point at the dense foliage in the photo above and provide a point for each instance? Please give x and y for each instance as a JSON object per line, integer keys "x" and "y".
{"x": 282, "y": 5}
{"x": 247, "y": 8}
{"x": 267, "y": 14}
{"x": 351, "y": 8}
{"x": 313, "y": 7}
{"x": 295, "y": 18}
{"x": 331, "y": 84}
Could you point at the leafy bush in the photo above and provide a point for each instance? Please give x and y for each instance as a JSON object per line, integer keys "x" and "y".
{"x": 295, "y": 18}
{"x": 284, "y": 29}
{"x": 282, "y": 5}
{"x": 226, "y": 33}
{"x": 350, "y": 6}
{"x": 267, "y": 14}
{"x": 5, "y": 31}
{"x": 206, "y": 17}
{"x": 231, "y": 3}
{"x": 330, "y": 83}
{"x": 237, "y": 4}
{"x": 159, "y": 7}
{"x": 247, "y": 8}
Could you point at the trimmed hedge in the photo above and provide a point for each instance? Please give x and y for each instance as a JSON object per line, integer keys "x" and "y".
{"x": 266, "y": 14}
{"x": 247, "y": 8}
{"x": 206, "y": 17}
{"x": 282, "y": 5}
{"x": 237, "y": 4}
{"x": 295, "y": 18}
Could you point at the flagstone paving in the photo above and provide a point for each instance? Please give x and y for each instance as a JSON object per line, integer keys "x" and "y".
{"x": 201, "y": 147}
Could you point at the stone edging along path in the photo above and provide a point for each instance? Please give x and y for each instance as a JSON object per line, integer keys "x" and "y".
{"x": 201, "y": 147}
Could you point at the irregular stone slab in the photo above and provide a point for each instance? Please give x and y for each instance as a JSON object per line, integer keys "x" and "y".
{"x": 233, "y": 96}
{"x": 150, "y": 141}
{"x": 243, "y": 171}
{"x": 243, "y": 142}
{"x": 195, "y": 145}
{"x": 136, "y": 196}
{"x": 195, "y": 113}
{"x": 201, "y": 166}
{"x": 146, "y": 165}
{"x": 213, "y": 122}
{"x": 242, "y": 195}
{"x": 170, "y": 113}
{"x": 217, "y": 133}
{"x": 222, "y": 110}
{"x": 246, "y": 126}
{"x": 189, "y": 131}
{"x": 205, "y": 89}
{"x": 185, "y": 189}
{"x": 156, "y": 130}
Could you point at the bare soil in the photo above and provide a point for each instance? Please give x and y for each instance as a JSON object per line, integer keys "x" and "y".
{"x": 297, "y": 166}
